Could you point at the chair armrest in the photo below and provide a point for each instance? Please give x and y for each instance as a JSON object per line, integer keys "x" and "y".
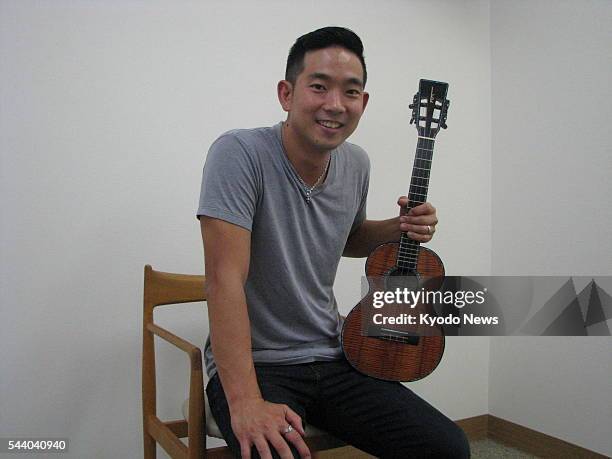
{"x": 193, "y": 351}
{"x": 196, "y": 418}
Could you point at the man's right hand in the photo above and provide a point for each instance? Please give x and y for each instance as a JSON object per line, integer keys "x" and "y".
{"x": 262, "y": 424}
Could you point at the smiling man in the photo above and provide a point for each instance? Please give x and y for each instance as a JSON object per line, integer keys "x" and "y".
{"x": 279, "y": 207}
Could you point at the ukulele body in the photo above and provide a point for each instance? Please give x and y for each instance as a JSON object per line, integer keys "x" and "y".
{"x": 390, "y": 359}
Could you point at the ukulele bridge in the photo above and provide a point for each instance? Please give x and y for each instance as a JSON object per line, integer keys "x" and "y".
{"x": 390, "y": 334}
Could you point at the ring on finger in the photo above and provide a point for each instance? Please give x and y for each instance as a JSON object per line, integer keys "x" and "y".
{"x": 429, "y": 230}
{"x": 288, "y": 429}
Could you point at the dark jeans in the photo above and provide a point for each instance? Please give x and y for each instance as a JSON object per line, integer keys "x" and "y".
{"x": 385, "y": 419}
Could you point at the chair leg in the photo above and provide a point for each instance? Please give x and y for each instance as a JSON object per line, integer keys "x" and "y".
{"x": 150, "y": 447}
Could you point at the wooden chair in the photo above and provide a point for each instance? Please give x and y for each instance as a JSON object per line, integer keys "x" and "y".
{"x": 164, "y": 289}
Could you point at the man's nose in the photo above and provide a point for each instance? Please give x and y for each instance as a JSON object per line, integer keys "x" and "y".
{"x": 334, "y": 102}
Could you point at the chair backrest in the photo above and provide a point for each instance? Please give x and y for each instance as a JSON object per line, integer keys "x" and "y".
{"x": 169, "y": 288}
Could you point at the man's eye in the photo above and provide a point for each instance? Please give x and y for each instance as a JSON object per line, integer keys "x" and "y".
{"x": 317, "y": 87}
{"x": 353, "y": 92}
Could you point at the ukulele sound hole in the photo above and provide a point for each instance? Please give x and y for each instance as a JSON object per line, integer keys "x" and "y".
{"x": 402, "y": 278}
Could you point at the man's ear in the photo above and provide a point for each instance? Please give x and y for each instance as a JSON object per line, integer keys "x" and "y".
{"x": 284, "y": 90}
{"x": 366, "y": 97}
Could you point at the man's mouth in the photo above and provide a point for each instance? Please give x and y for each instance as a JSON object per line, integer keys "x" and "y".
{"x": 330, "y": 124}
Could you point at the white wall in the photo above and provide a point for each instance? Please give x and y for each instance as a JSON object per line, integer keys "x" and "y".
{"x": 552, "y": 211}
{"x": 107, "y": 109}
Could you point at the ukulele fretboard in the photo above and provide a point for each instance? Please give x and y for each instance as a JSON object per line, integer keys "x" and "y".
{"x": 408, "y": 252}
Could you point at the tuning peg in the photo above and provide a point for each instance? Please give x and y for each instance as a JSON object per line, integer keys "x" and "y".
{"x": 414, "y": 102}
{"x": 444, "y": 114}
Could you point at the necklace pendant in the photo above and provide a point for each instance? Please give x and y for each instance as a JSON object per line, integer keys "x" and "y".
{"x": 308, "y": 189}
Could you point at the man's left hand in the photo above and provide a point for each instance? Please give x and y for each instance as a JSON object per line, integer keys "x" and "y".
{"x": 420, "y": 222}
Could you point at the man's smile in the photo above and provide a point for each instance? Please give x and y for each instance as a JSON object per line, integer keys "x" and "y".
{"x": 330, "y": 124}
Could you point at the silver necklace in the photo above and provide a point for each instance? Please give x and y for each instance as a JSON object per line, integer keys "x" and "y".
{"x": 308, "y": 189}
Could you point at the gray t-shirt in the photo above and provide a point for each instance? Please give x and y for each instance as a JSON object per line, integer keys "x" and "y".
{"x": 295, "y": 246}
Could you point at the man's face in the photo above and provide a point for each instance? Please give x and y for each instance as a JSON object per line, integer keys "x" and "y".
{"x": 327, "y": 100}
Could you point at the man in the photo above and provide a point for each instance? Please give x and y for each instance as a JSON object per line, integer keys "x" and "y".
{"x": 279, "y": 206}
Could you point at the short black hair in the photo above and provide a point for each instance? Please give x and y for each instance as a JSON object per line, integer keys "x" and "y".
{"x": 319, "y": 39}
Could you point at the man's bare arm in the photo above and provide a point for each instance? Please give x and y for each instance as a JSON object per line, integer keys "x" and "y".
{"x": 227, "y": 251}
{"x": 369, "y": 235}
{"x": 254, "y": 421}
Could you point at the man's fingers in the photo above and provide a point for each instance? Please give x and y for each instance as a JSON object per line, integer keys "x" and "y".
{"x": 262, "y": 447}
{"x": 425, "y": 210}
{"x": 280, "y": 445}
{"x": 295, "y": 436}
{"x": 245, "y": 449}
{"x": 420, "y": 229}
{"x": 295, "y": 420}
{"x": 422, "y": 209}
{"x": 299, "y": 443}
{"x": 419, "y": 237}
{"x": 418, "y": 224}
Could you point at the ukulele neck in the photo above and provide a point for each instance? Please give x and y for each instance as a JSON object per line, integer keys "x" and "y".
{"x": 408, "y": 252}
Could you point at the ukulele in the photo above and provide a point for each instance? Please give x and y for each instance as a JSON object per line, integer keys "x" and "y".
{"x": 379, "y": 337}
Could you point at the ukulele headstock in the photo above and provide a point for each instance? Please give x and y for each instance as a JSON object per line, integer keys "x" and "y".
{"x": 430, "y": 107}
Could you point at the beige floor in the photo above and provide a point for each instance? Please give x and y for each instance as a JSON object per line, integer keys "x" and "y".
{"x": 482, "y": 449}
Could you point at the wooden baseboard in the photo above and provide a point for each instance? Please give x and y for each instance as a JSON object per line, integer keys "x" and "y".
{"x": 523, "y": 438}
{"x": 476, "y": 428}
{"x": 534, "y": 442}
